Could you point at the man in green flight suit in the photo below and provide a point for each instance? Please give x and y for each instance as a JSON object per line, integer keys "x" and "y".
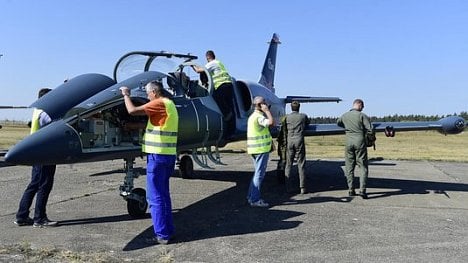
{"x": 357, "y": 125}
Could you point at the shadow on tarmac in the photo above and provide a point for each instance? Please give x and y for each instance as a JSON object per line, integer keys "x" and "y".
{"x": 138, "y": 170}
{"x": 100, "y": 220}
{"x": 4, "y": 164}
{"x": 226, "y": 213}
{"x": 328, "y": 175}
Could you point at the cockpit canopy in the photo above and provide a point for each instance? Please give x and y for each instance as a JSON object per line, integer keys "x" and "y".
{"x": 176, "y": 70}
{"x": 137, "y": 62}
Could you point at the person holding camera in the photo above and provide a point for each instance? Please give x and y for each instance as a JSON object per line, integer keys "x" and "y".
{"x": 259, "y": 145}
{"x": 357, "y": 125}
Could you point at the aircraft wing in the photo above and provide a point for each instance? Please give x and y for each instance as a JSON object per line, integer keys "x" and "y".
{"x": 13, "y": 107}
{"x": 305, "y": 99}
{"x": 447, "y": 125}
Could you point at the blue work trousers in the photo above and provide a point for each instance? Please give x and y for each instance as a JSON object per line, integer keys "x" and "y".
{"x": 158, "y": 171}
{"x": 260, "y": 162}
{"x": 42, "y": 181}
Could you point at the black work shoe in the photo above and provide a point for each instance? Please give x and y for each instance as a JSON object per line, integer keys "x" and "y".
{"x": 45, "y": 223}
{"x": 363, "y": 195}
{"x": 24, "y": 222}
{"x": 351, "y": 193}
{"x": 156, "y": 240}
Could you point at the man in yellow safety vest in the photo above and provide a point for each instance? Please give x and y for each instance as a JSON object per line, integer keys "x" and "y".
{"x": 42, "y": 181}
{"x": 259, "y": 145}
{"x": 159, "y": 142}
{"x": 223, "y": 90}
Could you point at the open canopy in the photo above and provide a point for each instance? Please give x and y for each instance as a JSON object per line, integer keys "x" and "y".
{"x": 137, "y": 62}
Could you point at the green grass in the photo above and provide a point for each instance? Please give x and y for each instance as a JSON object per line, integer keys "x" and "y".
{"x": 421, "y": 145}
{"x": 24, "y": 252}
{"x": 10, "y": 134}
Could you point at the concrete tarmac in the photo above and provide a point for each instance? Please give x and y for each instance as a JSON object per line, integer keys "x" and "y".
{"x": 416, "y": 212}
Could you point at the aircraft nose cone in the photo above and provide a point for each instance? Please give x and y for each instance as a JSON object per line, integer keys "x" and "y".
{"x": 54, "y": 144}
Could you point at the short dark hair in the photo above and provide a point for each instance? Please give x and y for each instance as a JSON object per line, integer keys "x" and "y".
{"x": 43, "y": 92}
{"x": 358, "y": 101}
{"x": 210, "y": 54}
{"x": 295, "y": 105}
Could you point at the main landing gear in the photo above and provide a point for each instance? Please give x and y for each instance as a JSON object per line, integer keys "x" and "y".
{"x": 186, "y": 167}
{"x": 201, "y": 157}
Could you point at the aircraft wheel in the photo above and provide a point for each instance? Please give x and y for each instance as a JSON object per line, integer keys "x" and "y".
{"x": 186, "y": 167}
{"x": 137, "y": 208}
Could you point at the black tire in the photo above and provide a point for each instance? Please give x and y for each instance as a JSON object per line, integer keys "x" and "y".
{"x": 136, "y": 208}
{"x": 186, "y": 167}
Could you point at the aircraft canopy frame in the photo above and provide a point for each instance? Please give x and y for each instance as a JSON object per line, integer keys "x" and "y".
{"x": 136, "y": 62}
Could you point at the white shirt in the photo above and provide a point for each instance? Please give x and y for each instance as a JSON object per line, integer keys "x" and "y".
{"x": 263, "y": 121}
{"x": 213, "y": 67}
{"x": 44, "y": 119}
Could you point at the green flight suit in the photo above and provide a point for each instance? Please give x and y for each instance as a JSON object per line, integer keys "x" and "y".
{"x": 356, "y": 125}
{"x": 281, "y": 150}
{"x": 296, "y": 124}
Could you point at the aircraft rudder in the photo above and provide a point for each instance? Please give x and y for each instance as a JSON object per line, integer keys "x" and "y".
{"x": 268, "y": 72}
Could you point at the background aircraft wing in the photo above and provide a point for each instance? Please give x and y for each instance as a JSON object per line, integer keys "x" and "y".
{"x": 305, "y": 99}
{"x": 13, "y": 107}
{"x": 447, "y": 125}
{"x": 323, "y": 129}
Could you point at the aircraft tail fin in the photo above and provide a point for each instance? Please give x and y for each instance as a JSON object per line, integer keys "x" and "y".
{"x": 268, "y": 72}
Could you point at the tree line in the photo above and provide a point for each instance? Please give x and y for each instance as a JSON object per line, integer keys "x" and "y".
{"x": 392, "y": 118}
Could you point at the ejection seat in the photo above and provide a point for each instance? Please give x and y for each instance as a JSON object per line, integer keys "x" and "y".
{"x": 178, "y": 82}
{"x": 181, "y": 84}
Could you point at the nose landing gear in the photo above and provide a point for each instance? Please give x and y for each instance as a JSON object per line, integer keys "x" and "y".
{"x": 135, "y": 197}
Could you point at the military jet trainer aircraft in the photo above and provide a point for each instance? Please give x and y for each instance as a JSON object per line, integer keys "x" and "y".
{"x": 91, "y": 122}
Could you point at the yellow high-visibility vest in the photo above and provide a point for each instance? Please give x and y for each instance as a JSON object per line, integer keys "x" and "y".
{"x": 258, "y": 137}
{"x": 35, "y": 125}
{"x": 163, "y": 139}
{"x": 220, "y": 77}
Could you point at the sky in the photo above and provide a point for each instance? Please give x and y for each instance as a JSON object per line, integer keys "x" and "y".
{"x": 400, "y": 56}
